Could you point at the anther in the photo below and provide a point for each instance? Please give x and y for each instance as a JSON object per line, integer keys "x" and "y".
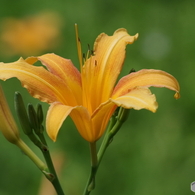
{"x": 84, "y": 57}
{"x": 92, "y": 52}
{"x": 132, "y": 70}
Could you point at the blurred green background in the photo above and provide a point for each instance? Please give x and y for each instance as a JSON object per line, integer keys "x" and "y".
{"x": 153, "y": 153}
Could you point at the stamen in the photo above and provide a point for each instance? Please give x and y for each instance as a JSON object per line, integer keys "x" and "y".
{"x": 132, "y": 70}
{"x": 88, "y": 52}
{"x": 88, "y": 46}
{"x": 79, "y": 49}
{"x": 84, "y": 58}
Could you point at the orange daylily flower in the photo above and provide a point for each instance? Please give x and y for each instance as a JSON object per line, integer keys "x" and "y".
{"x": 91, "y": 96}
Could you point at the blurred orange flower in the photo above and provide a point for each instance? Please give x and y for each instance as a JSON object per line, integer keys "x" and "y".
{"x": 31, "y": 35}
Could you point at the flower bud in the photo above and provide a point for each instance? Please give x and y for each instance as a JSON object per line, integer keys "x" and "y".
{"x": 40, "y": 115}
{"x": 32, "y": 115}
{"x": 7, "y": 123}
{"x": 22, "y": 114}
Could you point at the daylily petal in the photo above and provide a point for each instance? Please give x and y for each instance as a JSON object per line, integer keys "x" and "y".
{"x": 58, "y": 112}
{"x": 100, "y": 71}
{"x": 83, "y": 123}
{"x": 101, "y": 117}
{"x": 146, "y": 78}
{"x": 39, "y": 82}
{"x": 138, "y": 98}
{"x": 64, "y": 69}
{"x": 56, "y": 115}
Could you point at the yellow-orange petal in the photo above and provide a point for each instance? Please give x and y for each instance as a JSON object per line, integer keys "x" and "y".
{"x": 64, "y": 69}
{"x": 58, "y": 112}
{"x": 146, "y": 78}
{"x": 83, "y": 123}
{"x": 56, "y": 115}
{"x": 101, "y": 117}
{"x": 91, "y": 129}
{"x": 138, "y": 98}
{"x": 39, "y": 82}
{"x": 101, "y": 70}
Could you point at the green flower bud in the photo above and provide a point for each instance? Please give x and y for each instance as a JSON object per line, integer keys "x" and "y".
{"x": 22, "y": 114}
{"x": 32, "y": 115}
{"x": 40, "y": 115}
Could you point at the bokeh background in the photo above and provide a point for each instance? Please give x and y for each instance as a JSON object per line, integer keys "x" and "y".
{"x": 153, "y": 153}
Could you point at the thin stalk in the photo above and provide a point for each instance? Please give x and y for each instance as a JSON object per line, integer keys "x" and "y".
{"x": 94, "y": 165}
{"x": 114, "y": 126}
{"x": 37, "y": 161}
{"x": 105, "y": 143}
{"x": 93, "y": 154}
{"x": 121, "y": 118}
{"x": 79, "y": 49}
{"x": 50, "y": 165}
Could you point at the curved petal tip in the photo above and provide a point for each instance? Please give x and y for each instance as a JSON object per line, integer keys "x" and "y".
{"x": 177, "y": 95}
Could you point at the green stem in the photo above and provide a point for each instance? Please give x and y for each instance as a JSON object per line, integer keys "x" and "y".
{"x": 94, "y": 165}
{"x": 91, "y": 180}
{"x": 111, "y": 132}
{"x": 114, "y": 126}
{"x": 105, "y": 143}
{"x": 40, "y": 164}
{"x": 48, "y": 159}
{"x": 93, "y": 151}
